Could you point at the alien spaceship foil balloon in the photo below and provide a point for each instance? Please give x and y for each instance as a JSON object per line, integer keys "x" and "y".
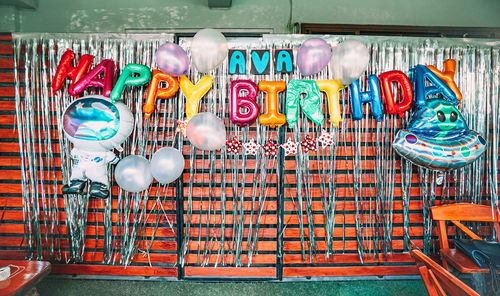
{"x": 438, "y": 138}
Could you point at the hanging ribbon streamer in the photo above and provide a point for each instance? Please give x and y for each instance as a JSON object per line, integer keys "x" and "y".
{"x": 44, "y": 232}
{"x": 194, "y": 93}
{"x": 449, "y": 67}
{"x": 91, "y": 79}
{"x": 332, "y": 89}
{"x": 127, "y": 78}
{"x": 242, "y": 109}
{"x": 372, "y": 96}
{"x": 65, "y": 69}
{"x": 272, "y": 117}
{"x": 309, "y": 104}
{"x": 155, "y": 92}
{"x": 421, "y": 74}
{"x": 387, "y": 79}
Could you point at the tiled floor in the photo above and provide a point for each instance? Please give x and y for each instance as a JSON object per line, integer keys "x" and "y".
{"x": 67, "y": 287}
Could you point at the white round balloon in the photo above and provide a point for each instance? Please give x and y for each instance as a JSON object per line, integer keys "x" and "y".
{"x": 133, "y": 173}
{"x": 167, "y": 164}
{"x": 349, "y": 60}
{"x": 208, "y": 50}
{"x": 206, "y": 131}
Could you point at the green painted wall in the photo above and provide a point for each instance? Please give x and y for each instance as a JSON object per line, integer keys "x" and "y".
{"x": 122, "y": 15}
{"x": 8, "y": 19}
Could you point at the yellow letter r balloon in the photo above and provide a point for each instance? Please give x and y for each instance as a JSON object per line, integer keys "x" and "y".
{"x": 194, "y": 93}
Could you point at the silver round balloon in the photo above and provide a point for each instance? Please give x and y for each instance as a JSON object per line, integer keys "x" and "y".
{"x": 167, "y": 164}
{"x": 349, "y": 60}
{"x": 208, "y": 50}
{"x": 206, "y": 131}
{"x": 133, "y": 173}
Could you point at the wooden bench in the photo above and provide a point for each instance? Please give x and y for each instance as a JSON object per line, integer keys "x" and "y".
{"x": 437, "y": 280}
{"x": 455, "y": 213}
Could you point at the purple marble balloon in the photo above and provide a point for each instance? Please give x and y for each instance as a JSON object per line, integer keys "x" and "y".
{"x": 313, "y": 56}
{"x": 172, "y": 59}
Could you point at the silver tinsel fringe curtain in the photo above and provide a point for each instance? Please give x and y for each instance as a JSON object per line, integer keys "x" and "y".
{"x": 45, "y": 152}
{"x": 234, "y": 208}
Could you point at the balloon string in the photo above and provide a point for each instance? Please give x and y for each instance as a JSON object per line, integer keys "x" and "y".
{"x": 298, "y": 175}
{"x": 255, "y": 185}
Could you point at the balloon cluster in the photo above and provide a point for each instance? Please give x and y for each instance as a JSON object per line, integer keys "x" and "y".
{"x": 135, "y": 173}
{"x": 348, "y": 60}
{"x": 208, "y": 50}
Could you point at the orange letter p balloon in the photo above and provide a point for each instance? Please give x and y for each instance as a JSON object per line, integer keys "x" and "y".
{"x": 161, "y": 93}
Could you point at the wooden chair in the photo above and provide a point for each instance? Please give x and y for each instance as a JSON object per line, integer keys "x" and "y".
{"x": 455, "y": 213}
{"x": 437, "y": 280}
